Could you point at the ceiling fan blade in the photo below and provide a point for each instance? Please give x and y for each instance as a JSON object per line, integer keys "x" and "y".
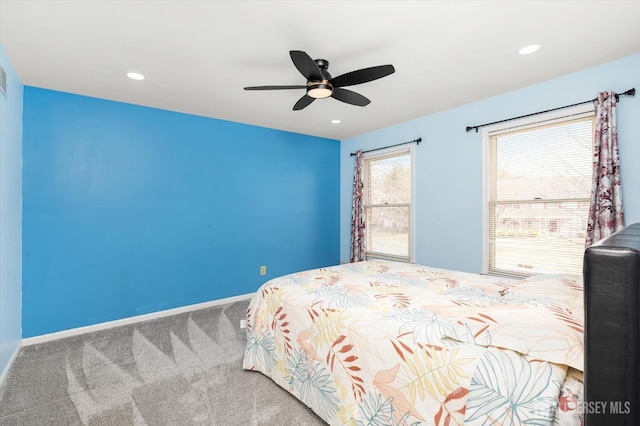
{"x": 362, "y": 76}
{"x": 305, "y": 65}
{"x": 275, "y": 87}
{"x": 349, "y": 97}
{"x": 303, "y": 102}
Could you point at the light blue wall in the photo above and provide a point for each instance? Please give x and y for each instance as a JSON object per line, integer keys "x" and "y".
{"x": 449, "y": 165}
{"x": 130, "y": 210}
{"x": 10, "y": 215}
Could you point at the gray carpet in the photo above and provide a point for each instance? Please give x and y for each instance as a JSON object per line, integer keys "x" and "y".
{"x": 179, "y": 370}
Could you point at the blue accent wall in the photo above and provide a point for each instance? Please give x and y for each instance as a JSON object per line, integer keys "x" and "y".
{"x": 449, "y": 161}
{"x": 10, "y": 215}
{"x": 130, "y": 210}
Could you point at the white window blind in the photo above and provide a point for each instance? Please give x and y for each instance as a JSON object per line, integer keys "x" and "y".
{"x": 387, "y": 202}
{"x": 540, "y": 184}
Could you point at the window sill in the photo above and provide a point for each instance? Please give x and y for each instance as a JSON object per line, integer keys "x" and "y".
{"x": 507, "y": 274}
{"x": 382, "y": 256}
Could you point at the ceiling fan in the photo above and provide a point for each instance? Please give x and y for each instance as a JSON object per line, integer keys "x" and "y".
{"x": 320, "y": 84}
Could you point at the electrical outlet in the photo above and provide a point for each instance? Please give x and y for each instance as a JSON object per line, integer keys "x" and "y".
{"x": 263, "y": 270}
{"x": 243, "y": 323}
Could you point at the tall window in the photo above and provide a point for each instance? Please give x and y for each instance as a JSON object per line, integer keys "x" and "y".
{"x": 387, "y": 202}
{"x": 538, "y": 197}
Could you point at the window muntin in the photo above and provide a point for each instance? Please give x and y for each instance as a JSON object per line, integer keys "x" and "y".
{"x": 539, "y": 190}
{"x": 387, "y": 203}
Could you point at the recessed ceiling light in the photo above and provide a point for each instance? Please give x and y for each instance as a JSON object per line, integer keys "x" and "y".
{"x": 529, "y": 49}
{"x": 135, "y": 76}
{"x": 336, "y": 121}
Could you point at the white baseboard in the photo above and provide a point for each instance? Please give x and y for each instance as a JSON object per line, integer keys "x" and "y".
{"x": 131, "y": 320}
{"x": 13, "y": 357}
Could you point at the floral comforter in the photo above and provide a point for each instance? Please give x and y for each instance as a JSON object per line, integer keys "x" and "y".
{"x": 388, "y": 343}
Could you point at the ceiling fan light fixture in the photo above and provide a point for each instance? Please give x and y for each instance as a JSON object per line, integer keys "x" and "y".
{"x": 319, "y": 90}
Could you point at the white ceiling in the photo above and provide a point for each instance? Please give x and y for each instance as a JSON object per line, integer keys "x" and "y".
{"x": 198, "y": 55}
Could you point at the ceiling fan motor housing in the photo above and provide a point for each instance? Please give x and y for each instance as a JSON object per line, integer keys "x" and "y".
{"x": 321, "y": 89}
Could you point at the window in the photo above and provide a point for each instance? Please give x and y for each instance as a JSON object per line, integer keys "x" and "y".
{"x": 387, "y": 204}
{"x": 539, "y": 178}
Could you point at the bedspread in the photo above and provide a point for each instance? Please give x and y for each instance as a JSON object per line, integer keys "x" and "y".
{"x": 388, "y": 343}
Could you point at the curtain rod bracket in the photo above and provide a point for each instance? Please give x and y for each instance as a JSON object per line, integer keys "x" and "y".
{"x": 630, "y": 92}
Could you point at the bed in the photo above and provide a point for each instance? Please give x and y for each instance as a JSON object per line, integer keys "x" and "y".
{"x": 612, "y": 330}
{"x": 388, "y": 343}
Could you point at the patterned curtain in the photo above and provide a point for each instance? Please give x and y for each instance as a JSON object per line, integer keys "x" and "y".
{"x": 605, "y": 211}
{"x": 357, "y": 213}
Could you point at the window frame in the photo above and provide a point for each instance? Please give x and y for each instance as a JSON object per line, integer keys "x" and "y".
{"x": 522, "y": 124}
{"x": 379, "y": 155}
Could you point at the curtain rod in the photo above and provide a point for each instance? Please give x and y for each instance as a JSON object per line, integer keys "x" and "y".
{"x": 630, "y": 92}
{"x": 417, "y": 141}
